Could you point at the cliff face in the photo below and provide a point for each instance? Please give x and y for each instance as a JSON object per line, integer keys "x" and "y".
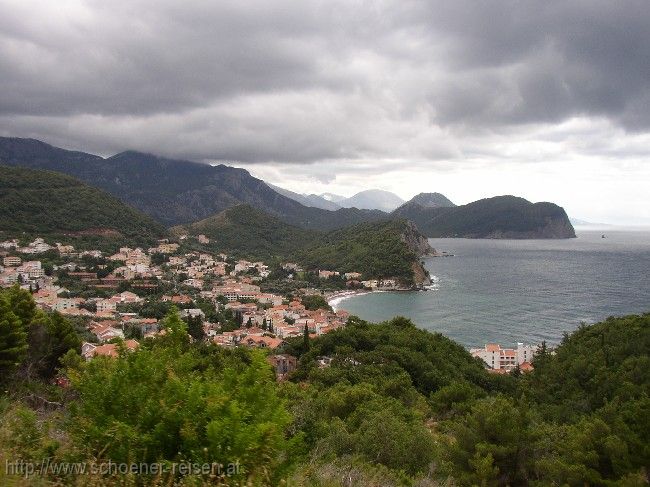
{"x": 419, "y": 245}
{"x": 415, "y": 241}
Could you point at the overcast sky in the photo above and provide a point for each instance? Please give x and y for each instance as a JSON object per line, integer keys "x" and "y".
{"x": 547, "y": 100}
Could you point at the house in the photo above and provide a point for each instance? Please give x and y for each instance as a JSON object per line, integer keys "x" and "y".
{"x": 11, "y": 261}
{"x": 90, "y": 350}
{"x": 63, "y": 304}
{"x": 262, "y": 342}
{"x": 282, "y": 365}
{"x": 106, "y": 330}
{"x": 178, "y": 299}
{"x": 506, "y": 359}
{"x": 327, "y": 274}
{"x": 353, "y": 275}
{"x": 203, "y": 239}
{"x": 105, "y": 305}
{"x": 126, "y": 297}
{"x": 192, "y": 313}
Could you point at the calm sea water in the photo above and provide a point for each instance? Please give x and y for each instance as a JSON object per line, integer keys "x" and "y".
{"x": 509, "y": 291}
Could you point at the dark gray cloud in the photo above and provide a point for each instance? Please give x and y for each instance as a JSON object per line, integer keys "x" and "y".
{"x": 311, "y": 81}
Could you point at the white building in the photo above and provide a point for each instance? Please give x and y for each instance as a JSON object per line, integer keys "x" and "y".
{"x": 498, "y": 358}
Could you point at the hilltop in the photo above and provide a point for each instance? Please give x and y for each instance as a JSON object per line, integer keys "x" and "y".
{"x": 430, "y": 200}
{"x": 49, "y": 203}
{"x": 497, "y": 217}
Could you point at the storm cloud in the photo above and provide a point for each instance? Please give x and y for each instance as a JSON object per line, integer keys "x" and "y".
{"x": 339, "y": 83}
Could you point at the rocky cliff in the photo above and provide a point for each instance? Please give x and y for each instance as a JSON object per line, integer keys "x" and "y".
{"x": 419, "y": 245}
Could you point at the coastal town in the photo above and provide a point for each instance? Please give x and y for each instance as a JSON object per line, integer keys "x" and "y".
{"x": 123, "y": 297}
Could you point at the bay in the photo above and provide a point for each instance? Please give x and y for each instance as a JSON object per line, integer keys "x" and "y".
{"x": 509, "y": 291}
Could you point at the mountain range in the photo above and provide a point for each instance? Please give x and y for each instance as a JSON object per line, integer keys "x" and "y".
{"x": 177, "y": 192}
{"x": 369, "y": 199}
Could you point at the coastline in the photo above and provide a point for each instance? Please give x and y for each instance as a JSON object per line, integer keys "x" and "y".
{"x": 337, "y": 298}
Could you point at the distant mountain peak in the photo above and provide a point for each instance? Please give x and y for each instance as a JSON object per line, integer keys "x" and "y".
{"x": 335, "y": 198}
{"x": 373, "y": 199}
{"x": 432, "y": 200}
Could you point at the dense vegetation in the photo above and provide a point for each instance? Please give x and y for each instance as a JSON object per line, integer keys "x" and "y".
{"x": 248, "y": 232}
{"x": 175, "y": 191}
{"x": 373, "y": 249}
{"x": 47, "y": 203}
{"x": 394, "y": 405}
{"x": 498, "y": 217}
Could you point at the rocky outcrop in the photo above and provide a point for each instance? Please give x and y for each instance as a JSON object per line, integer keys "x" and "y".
{"x": 419, "y": 245}
{"x": 415, "y": 241}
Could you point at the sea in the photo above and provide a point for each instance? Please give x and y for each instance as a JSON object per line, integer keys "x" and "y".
{"x": 529, "y": 291}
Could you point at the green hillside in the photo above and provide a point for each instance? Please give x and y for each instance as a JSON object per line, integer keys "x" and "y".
{"x": 378, "y": 249}
{"x": 248, "y": 232}
{"x": 375, "y": 249}
{"x": 497, "y": 217}
{"x": 48, "y": 203}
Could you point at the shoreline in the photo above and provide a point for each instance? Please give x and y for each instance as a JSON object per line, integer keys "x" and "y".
{"x": 336, "y": 298}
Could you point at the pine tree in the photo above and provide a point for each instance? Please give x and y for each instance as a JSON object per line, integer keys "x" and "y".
{"x": 13, "y": 337}
{"x": 305, "y": 337}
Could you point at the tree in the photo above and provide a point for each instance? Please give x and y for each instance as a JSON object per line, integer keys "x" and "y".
{"x": 195, "y": 327}
{"x": 160, "y": 404}
{"x": 13, "y": 337}
{"x": 50, "y": 336}
{"x": 305, "y": 338}
{"x": 175, "y": 327}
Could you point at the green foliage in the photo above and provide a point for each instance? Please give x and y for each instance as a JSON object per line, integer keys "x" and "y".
{"x": 394, "y": 406}
{"x": 431, "y": 360}
{"x": 50, "y": 337}
{"x": 157, "y": 404}
{"x": 594, "y": 366}
{"x": 315, "y": 301}
{"x": 13, "y": 334}
{"x": 249, "y": 232}
{"x": 373, "y": 249}
{"x": 51, "y": 204}
{"x": 586, "y": 419}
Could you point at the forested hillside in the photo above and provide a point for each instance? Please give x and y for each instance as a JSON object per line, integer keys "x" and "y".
{"x": 497, "y": 217}
{"x": 251, "y": 233}
{"x": 47, "y": 203}
{"x": 379, "y": 249}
